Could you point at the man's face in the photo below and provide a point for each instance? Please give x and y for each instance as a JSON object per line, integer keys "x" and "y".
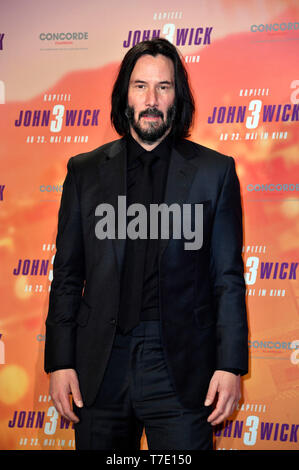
{"x": 151, "y": 96}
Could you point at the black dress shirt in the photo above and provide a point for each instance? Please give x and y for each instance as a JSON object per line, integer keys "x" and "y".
{"x": 135, "y": 154}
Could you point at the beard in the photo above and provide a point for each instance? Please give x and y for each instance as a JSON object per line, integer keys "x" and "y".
{"x": 155, "y": 130}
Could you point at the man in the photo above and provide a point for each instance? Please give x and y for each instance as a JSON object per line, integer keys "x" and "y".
{"x": 144, "y": 332}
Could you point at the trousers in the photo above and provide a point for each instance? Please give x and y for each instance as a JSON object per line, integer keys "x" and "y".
{"x": 137, "y": 393}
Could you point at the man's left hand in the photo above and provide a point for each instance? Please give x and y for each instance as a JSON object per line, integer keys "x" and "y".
{"x": 228, "y": 388}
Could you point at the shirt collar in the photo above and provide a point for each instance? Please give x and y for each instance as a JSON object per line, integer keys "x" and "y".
{"x": 135, "y": 150}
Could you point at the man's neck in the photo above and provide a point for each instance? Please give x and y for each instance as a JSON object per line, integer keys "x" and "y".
{"x": 146, "y": 145}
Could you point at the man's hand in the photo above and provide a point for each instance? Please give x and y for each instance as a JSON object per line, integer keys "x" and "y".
{"x": 228, "y": 387}
{"x": 62, "y": 383}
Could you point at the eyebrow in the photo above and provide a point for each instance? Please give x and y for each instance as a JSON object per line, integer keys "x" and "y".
{"x": 163, "y": 82}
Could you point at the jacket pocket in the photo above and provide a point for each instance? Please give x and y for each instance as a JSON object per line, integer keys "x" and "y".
{"x": 83, "y": 313}
{"x": 204, "y": 316}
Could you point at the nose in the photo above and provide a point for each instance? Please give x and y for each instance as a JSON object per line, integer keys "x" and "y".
{"x": 151, "y": 97}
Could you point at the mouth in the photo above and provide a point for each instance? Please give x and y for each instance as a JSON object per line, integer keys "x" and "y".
{"x": 150, "y": 117}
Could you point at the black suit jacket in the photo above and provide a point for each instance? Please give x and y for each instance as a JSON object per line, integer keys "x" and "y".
{"x": 201, "y": 292}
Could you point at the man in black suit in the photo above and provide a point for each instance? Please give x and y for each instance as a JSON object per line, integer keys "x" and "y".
{"x": 145, "y": 331}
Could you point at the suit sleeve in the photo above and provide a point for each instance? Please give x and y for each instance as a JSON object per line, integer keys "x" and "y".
{"x": 228, "y": 276}
{"x": 68, "y": 280}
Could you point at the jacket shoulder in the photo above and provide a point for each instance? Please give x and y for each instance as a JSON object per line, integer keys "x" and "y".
{"x": 204, "y": 156}
{"x": 86, "y": 159}
{"x": 200, "y": 150}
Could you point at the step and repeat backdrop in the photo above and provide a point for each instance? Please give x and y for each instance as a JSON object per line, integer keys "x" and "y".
{"x": 58, "y": 61}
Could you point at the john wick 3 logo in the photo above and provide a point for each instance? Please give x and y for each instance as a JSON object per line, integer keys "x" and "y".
{"x": 187, "y": 222}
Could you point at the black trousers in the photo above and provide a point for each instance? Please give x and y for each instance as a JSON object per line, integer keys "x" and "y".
{"x": 137, "y": 393}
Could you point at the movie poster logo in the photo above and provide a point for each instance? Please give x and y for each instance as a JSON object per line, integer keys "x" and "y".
{"x": 276, "y": 348}
{"x": 251, "y": 119}
{"x": 264, "y": 276}
{"x": 38, "y": 271}
{"x": 170, "y": 25}
{"x": 195, "y": 36}
{"x": 65, "y": 40}
{"x": 51, "y": 431}
{"x": 253, "y": 430}
{"x": 274, "y": 27}
{"x": 56, "y": 120}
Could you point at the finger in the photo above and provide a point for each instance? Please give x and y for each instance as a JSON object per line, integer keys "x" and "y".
{"x": 67, "y": 411}
{"x": 217, "y": 412}
{"x": 220, "y": 407}
{"x": 75, "y": 391}
{"x": 69, "y": 415}
{"x": 211, "y": 394}
{"x": 223, "y": 410}
{"x": 57, "y": 406}
{"x": 229, "y": 410}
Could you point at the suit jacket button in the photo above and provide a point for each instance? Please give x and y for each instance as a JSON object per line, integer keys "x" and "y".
{"x": 113, "y": 321}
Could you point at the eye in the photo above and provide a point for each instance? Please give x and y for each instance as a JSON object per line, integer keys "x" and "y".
{"x": 164, "y": 87}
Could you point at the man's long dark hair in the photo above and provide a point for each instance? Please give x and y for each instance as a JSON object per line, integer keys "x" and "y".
{"x": 184, "y": 102}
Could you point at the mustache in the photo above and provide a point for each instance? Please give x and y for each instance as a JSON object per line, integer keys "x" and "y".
{"x": 151, "y": 112}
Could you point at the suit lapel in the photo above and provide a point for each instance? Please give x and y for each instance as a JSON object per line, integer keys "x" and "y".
{"x": 179, "y": 180}
{"x": 113, "y": 183}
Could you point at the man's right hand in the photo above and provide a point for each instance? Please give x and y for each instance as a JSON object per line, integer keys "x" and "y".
{"x": 64, "y": 382}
